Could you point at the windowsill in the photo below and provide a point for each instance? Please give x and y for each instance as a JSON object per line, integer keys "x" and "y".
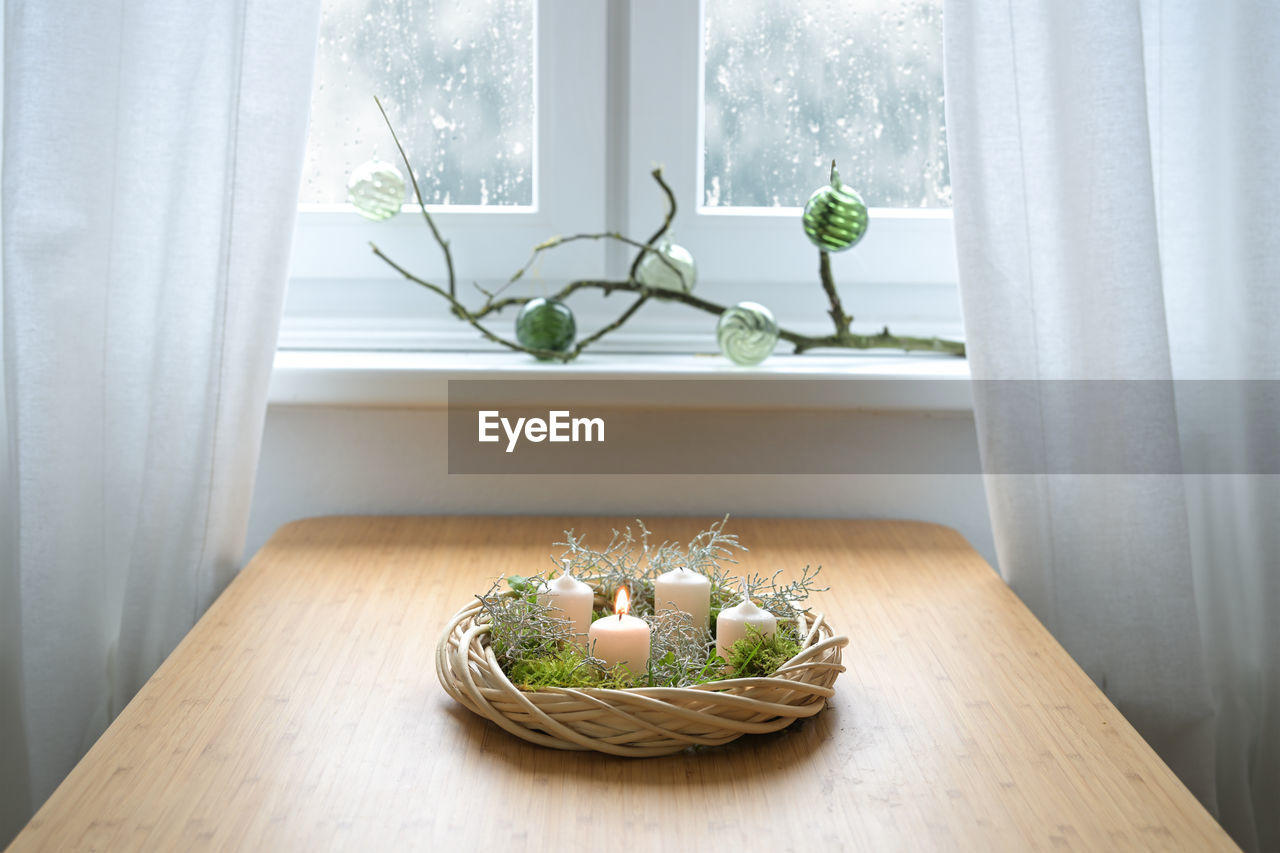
{"x": 878, "y": 382}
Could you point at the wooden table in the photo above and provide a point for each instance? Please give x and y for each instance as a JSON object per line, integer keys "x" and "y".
{"x": 303, "y": 712}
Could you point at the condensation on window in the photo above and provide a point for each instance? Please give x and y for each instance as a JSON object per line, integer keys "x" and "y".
{"x": 789, "y": 87}
{"x": 457, "y": 79}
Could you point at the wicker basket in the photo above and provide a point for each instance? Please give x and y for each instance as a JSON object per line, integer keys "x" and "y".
{"x": 639, "y": 721}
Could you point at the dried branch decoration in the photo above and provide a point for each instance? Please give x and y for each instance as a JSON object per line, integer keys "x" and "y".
{"x": 841, "y": 338}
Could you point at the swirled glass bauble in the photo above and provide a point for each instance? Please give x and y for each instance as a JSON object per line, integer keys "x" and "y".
{"x": 376, "y": 190}
{"x": 546, "y": 324}
{"x": 835, "y": 217}
{"x": 747, "y": 333}
{"x": 668, "y": 267}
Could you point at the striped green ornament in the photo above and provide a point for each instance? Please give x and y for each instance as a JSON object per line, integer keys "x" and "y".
{"x": 546, "y": 324}
{"x": 835, "y": 217}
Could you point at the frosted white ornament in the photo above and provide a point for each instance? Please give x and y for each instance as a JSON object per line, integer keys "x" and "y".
{"x": 668, "y": 266}
{"x": 747, "y": 333}
{"x": 376, "y": 190}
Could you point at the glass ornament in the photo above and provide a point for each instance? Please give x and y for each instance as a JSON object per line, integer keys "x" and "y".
{"x": 834, "y": 216}
{"x": 546, "y": 324}
{"x": 677, "y": 272}
{"x": 747, "y": 333}
{"x": 376, "y": 190}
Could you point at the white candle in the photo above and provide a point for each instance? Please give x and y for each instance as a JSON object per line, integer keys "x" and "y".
{"x": 684, "y": 589}
{"x": 731, "y": 624}
{"x": 570, "y": 599}
{"x": 621, "y": 639}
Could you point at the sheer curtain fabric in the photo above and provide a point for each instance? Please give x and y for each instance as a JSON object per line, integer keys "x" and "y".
{"x": 152, "y": 155}
{"x": 1115, "y": 180}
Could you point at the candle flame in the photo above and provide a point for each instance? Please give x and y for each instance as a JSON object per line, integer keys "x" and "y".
{"x": 622, "y": 602}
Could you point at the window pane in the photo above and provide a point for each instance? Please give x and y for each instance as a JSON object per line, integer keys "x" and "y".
{"x": 789, "y": 87}
{"x": 456, "y": 77}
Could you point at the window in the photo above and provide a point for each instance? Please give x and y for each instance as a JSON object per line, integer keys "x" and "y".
{"x": 785, "y": 88}
{"x": 457, "y": 80}
{"x": 742, "y": 102}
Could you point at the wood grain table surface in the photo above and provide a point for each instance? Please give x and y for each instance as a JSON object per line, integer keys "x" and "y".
{"x": 303, "y": 713}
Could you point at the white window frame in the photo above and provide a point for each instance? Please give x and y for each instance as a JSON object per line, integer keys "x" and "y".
{"x": 343, "y": 297}
{"x": 619, "y": 90}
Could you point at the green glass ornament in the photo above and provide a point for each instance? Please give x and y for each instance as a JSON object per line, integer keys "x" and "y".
{"x": 747, "y": 333}
{"x": 546, "y": 324}
{"x": 668, "y": 267}
{"x": 835, "y": 217}
{"x": 376, "y": 190}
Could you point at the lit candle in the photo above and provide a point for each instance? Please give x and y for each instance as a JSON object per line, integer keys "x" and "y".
{"x": 731, "y": 624}
{"x": 621, "y": 639}
{"x": 684, "y": 589}
{"x": 570, "y": 599}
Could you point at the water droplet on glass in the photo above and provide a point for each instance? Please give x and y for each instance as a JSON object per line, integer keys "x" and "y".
{"x": 863, "y": 81}
{"x": 457, "y": 80}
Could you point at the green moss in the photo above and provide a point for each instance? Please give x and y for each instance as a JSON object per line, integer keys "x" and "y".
{"x": 757, "y": 656}
{"x": 566, "y": 667}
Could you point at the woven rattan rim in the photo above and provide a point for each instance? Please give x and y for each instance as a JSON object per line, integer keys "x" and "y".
{"x": 640, "y": 721}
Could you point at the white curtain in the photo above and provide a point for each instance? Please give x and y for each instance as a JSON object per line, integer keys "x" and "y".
{"x": 151, "y": 162}
{"x": 1116, "y": 175}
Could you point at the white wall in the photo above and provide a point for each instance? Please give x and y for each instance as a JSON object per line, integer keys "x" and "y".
{"x": 320, "y": 460}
